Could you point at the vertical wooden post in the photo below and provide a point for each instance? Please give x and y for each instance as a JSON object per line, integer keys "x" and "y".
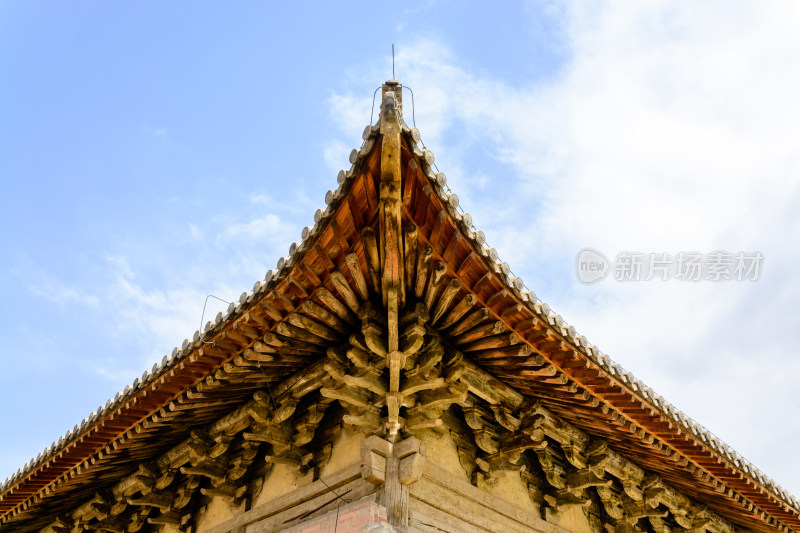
{"x": 391, "y": 245}
{"x": 396, "y": 466}
{"x": 391, "y": 194}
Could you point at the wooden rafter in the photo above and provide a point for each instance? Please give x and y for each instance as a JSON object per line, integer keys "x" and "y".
{"x": 388, "y": 273}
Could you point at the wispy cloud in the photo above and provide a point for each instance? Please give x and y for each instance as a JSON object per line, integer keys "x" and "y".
{"x": 268, "y": 228}
{"x": 195, "y": 233}
{"x": 157, "y": 132}
{"x": 260, "y": 199}
{"x": 153, "y": 317}
{"x": 673, "y": 127}
{"x": 158, "y": 314}
{"x": 144, "y": 294}
{"x": 41, "y": 284}
{"x": 336, "y": 154}
{"x": 114, "y": 374}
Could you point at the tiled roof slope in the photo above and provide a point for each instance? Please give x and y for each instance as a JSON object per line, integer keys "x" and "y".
{"x": 192, "y": 386}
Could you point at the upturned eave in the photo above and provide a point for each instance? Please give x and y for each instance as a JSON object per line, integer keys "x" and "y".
{"x": 220, "y": 367}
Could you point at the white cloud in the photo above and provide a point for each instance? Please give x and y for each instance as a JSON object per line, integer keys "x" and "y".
{"x": 155, "y": 315}
{"x": 158, "y": 132}
{"x": 41, "y": 284}
{"x": 268, "y": 228}
{"x": 62, "y": 294}
{"x": 260, "y": 199}
{"x": 195, "y": 233}
{"x": 336, "y": 154}
{"x": 119, "y": 376}
{"x": 673, "y": 126}
{"x": 147, "y": 320}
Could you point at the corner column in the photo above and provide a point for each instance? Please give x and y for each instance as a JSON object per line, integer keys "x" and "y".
{"x": 396, "y": 466}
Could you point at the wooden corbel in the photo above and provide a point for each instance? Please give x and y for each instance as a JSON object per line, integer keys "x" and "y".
{"x": 395, "y": 466}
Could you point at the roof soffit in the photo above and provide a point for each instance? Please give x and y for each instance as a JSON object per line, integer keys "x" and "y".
{"x": 445, "y": 265}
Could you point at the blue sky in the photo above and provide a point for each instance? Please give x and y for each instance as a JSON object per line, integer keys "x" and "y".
{"x": 152, "y": 153}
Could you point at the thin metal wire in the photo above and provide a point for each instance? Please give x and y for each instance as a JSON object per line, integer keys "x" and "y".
{"x": 372, "y": 110}
{"x": 275, "y": 406}
{"x": 446, "y": 187}
{"x": 414, "y": 122}
{"x": 336, "y": 524}
{"x": 413, "y": 117}
{"x": 473, "y": 227}
{"x": 203, "y": 315}
{"x": 291, "y": 444}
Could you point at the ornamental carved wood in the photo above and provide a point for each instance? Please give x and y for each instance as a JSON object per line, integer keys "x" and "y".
{"x": 379, "y": 335}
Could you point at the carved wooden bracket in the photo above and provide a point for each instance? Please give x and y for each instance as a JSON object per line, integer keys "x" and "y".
{"x": 393, "y": 390}
{"x": 395, "y": 465}
{"x": 377, "y": 452}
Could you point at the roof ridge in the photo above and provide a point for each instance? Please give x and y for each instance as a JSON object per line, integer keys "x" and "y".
{"x": 450, "y": 202}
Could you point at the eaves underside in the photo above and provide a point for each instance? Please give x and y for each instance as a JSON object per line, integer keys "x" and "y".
{"x": 539, "y": 356}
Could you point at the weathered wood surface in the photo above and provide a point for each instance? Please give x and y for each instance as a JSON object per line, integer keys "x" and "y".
{"x": 318, "y": 497}
{"x": 447, "y": 500}
{"x": 437, "y": 302}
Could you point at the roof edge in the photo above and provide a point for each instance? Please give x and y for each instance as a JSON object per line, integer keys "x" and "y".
{"x": 624, "y": 379}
